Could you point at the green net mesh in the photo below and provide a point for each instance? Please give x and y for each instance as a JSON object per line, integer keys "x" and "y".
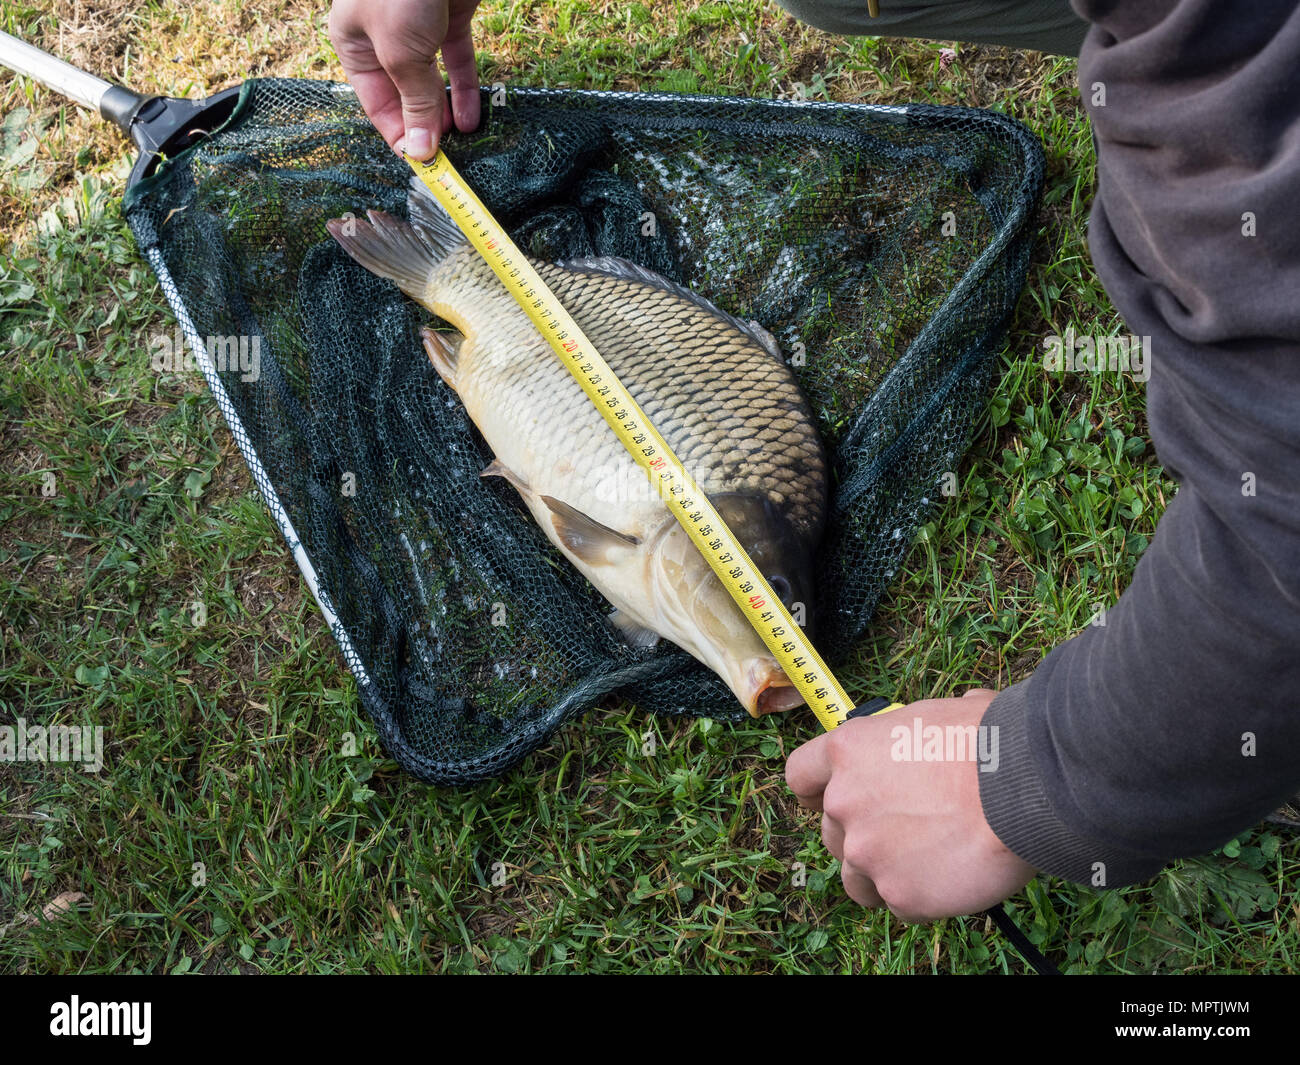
{"x": 883, "y": 247}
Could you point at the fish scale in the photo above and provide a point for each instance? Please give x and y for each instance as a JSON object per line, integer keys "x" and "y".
{"x": 728, "y": 407}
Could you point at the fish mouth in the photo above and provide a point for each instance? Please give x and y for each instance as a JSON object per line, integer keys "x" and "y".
{"x": 769, "y": 690}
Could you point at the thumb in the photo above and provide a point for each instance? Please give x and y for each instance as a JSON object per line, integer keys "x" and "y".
{"x": 424, "y": 98}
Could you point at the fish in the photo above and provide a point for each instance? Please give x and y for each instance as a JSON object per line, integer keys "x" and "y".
{"x": 716, "y": 387}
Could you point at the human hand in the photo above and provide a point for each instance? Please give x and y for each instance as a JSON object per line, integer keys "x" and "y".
{"x": 389, "y": 53}
{"x": 910, "y": 833}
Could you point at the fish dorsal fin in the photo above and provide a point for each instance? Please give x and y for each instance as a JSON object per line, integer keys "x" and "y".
{"x": 587, "y": 538}
{"x": 612, "y": 266}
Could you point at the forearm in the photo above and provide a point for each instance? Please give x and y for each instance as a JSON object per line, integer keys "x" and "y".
{"x": 1163, "y": 732}
{"x": 1178, "y": 722}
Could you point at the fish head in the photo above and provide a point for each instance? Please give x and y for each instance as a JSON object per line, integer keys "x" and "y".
{"x": 695, "y": 610}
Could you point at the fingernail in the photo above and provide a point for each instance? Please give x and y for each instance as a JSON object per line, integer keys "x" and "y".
{"x": 418, "y": 143}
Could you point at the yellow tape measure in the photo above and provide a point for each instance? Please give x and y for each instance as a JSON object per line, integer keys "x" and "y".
{"x": 683, "y": 497}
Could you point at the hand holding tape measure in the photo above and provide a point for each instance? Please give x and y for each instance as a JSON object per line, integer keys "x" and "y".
{"x": 761, "y": 606}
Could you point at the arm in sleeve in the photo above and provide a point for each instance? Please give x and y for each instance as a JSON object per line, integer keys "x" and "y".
{"x": 1177, "y": 723}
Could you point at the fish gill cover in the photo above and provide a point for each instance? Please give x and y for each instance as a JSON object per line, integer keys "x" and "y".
{"x": 472, "y": 640}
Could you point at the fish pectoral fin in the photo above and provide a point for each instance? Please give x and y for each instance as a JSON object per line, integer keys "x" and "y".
{"x": 587, "y": 538}
{"x": 639, "y": 636}
{"x": 444, "y": 350}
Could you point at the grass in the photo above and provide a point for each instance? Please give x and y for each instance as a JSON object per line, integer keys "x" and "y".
{"x": 232, "y": 829}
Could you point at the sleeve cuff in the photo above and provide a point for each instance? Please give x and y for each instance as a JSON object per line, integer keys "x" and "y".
{"x": 1017, "y": 808}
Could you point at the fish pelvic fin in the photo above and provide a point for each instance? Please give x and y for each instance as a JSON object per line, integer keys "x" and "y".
{"x": 444, "y": 350}
{"x": 404, "y": 252}
{"x": 497, "y": 468}
{"x": 584, "y": 536}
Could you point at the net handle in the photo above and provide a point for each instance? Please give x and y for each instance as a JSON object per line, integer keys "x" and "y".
{"x": 31, "y": 62}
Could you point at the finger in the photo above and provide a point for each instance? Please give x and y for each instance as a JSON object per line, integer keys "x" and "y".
{"x": 860, "y": 887}
{"x": 808, "y": 771}
{"x": 977, "y": 691}
{"x": 458, "y": 61}
{"x": 381, "y": 102}
{"x": 833, "y": 836}
{"x": 423, "y": 101}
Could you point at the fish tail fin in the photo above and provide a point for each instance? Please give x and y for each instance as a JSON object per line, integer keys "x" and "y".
{"x": 431, "y": 219}
{"x": 406, "y": 253}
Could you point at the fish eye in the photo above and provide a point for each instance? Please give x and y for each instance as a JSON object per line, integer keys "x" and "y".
{"x": 780, "y": 585}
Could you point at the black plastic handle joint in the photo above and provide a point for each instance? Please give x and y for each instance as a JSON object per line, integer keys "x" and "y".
{"x": 871, "y": 706}
{"x": 162, "y": 126}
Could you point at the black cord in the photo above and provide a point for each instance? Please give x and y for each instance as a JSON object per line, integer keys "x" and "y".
{"x": 1020, "y": 941}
